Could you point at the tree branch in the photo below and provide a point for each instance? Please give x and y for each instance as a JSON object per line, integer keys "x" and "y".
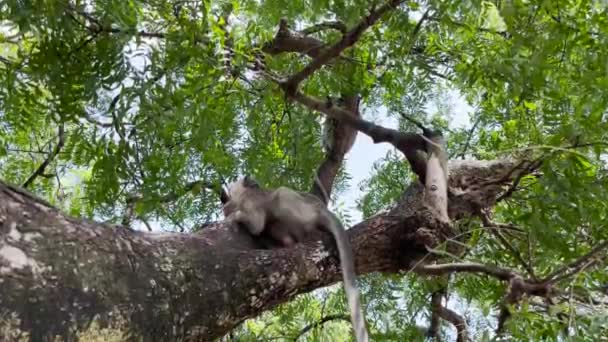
{"x": 173, "y": 196}
{"x": 336, "y": 25}
{"x": 349, "y": 39}
{"x": 177, "y": 285}
{"x": 575, "y": 266}
{"x": 487, "y": 222}
{"x": 440, "y": 311}
{"x": 443, "y": 269}
{"x": 405, "y": 142}
{"x": 49, "y": 159}
{"x": 339, "y": 139}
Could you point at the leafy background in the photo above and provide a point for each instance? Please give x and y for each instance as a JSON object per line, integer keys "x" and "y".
{"x": 151, "y": 107}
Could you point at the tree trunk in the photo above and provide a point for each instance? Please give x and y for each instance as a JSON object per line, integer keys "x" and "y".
{"x": 58, "y": 274}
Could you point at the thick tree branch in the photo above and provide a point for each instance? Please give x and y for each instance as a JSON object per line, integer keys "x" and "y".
{"x": 40, "y": 170}
{"x": 339, "y": 139}
{"x": 457, "y": 321}
{"x": 405, "y": 142}
{"x": 349, "y": 39}
{"x": 440, "y": 311}
{"x": 170, "y": 286}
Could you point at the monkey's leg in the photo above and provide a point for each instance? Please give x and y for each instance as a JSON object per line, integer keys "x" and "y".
{"x": 281, "y": 235}
{"x": 253, "y": 221}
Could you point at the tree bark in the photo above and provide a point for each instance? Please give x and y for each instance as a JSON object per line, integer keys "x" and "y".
{"x": 58, "y": 274}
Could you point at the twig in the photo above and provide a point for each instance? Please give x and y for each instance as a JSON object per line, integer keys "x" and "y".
{"x": 576, "y": 265}
{"x": 441, "y": 269}
{"x": 504, "y": 34}
{"x": 336, "y": 25}
{"x": 97, "y": 122}
{"x": 322, "y": 321}
{"x": 171, "y": 197}
{"x": 469, "y": 138}
{"x": 487, "y": 222}
{"x": 146, "y": 223}
{"x": 49, "y": 159}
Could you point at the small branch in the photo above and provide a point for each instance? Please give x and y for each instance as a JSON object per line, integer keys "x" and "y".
{"x": 503, "y": 34}
{"x": 97, "y": 27}
{"x": 469, "y": 138}
{"x": 412, "y": 145}
{"x": 349, "y": 39}
{"x": 146, "y": 223}
{"x": 188, "y": 187}
{"x": 442, "y": 269}
{"x": 523, "y": 168}
{"x": 49, "y": 159}
{"x": 97, "y": 122}
{"x": 577, "y": 265}
{"x": 336, "y": 25}
{"x": 228, "y": 43}
{"x": 485, "y": 219}
{"x": 320, "y": 322}
{"x": 173, "y": 196}
{"x": 418, "y": 27}
{"x": 129, "y": 212}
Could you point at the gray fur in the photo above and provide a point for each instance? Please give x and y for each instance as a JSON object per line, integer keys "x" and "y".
{"x": 290, "y": 217}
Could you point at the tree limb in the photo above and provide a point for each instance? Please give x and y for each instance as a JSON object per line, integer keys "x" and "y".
{"x": 340, "y": 139}
{"x": 348, "y": 39}
{"x": 440, "y": 311}
{"x": 467, "y": 143}
{"x": 171, "y": 286}
{"x": 405, "y": 142}
{"x": 443, "y": 269}
{"x": 336, "y": 25}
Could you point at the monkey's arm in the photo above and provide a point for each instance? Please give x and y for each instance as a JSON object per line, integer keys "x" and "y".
{"x": 253, "y": 220}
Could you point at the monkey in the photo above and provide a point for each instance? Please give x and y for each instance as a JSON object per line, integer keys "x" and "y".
{"x": 290, "y": 217}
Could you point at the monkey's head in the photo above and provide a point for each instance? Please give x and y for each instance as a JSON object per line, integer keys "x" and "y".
{"x": 235, "y": 191}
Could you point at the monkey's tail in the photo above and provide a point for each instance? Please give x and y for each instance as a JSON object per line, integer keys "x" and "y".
{"x": 322, "y": 188}
{"x": 347, "y": 263}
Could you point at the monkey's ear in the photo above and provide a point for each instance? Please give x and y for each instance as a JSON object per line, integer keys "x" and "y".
{"x": 224, "y": 198}
{"x": 250, "y": 182}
